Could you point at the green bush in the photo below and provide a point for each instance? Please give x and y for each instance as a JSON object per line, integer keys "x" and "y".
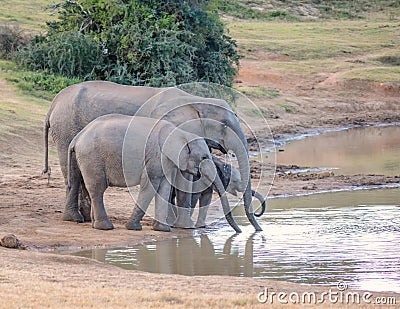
{"x": 70, "y": 54}
{"x": 389, "y": 60}
{"x": 138, "y": 42}
{"x": 11, "y": 38}
{"x": 46, "y": 83}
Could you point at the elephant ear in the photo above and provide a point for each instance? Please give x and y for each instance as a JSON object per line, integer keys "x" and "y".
{"x": 174, "y": 145}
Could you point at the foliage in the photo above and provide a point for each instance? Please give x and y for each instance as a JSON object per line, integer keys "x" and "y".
{"x": 69, "y": 54}
{"x": 43, "y": 84}
{"x": 389, "y": 60}
{"x": 11, "y": 38}
{"x": 139, "y": 42}
{"x": 37, "y": 84}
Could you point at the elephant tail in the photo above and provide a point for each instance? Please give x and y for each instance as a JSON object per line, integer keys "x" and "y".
{"x": 47, "y": 169}
{"x": 262, "y": 200}
{"x": 71, "y": 149}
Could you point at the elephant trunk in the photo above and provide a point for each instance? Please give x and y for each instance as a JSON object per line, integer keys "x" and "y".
{"x": 262, "y": 201}
{"x": 207, "y": 169}
{"x": 240, "y": 148}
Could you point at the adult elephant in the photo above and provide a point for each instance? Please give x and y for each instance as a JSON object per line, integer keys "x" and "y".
{"x": 109, "y": 151}
{"x": 76, "y": 106}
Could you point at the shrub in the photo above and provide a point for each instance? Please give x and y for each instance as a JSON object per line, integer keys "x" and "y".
{"x": 11, "y": 38}
{"x": 70, "y": 54}
{"x": 139, "y": 42}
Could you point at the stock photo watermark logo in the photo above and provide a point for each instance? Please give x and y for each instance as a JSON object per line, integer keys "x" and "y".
{"x": 223, "y": 118}
{"x": 337, "y": 295}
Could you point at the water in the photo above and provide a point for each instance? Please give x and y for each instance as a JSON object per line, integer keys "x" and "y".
{"x": 301, "y": 242}
{"x": 366, "y": 150}
{"x": 319, "y": 239}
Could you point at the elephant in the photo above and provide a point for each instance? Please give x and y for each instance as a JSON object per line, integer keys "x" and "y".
{"x": 230, "y": 178}
{"x": 213, "y": 119}
{"x": 125, "y": 151}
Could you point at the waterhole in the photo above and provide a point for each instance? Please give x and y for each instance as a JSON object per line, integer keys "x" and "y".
{"x": 364, "y": 150}
{"x": 319, "y": 239}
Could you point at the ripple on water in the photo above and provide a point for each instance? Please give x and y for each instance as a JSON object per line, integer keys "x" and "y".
{"x": 358, "y": 245}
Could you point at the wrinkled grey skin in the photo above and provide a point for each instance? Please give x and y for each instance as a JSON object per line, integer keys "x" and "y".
{"x": 74, "y": 107}
{"x": 230, "y": 178}
{"x": 108, "y": 152}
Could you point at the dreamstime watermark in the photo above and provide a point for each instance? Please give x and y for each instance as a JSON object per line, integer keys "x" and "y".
{"x": 338, "y": 295}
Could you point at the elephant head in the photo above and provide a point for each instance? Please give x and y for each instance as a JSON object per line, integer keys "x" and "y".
{"x": 190, "y": 154}
{"x": 214, "y": 120}
{"x": 230, "y": 178}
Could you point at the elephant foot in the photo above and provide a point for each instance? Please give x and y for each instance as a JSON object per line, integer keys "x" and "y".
{"x": 85, "y": 207}
{"x": 200, "y": 225}
{"x": 85, "y": 211}
{"x": 158, "y": 226}
{"x": 74, "y": 216}
{"x": 103, "y": 225}
{"x": 183, "y": 219}
{"x": 184, "y": 223}
{"x": 171, "y": 218}
{"x": 133, "y": 225}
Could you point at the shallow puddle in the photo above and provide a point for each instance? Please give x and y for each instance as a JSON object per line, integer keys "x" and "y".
{"x": 319, "y": 239}
{"x": 365, "y": 150}
{"x": 347, "y": 239}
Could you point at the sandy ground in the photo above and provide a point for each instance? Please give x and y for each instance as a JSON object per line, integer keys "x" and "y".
{"x": 31, "y": 208}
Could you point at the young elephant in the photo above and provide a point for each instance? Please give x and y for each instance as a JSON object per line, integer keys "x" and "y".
{"x": 118, "y": 150}
{"x": 231, "y": 181}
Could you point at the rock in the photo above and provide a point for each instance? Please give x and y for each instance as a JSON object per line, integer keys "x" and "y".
{"x": 10, "y": 241}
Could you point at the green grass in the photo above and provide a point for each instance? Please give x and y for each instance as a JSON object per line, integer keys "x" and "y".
{"x": 316, "y": 40}
{"x": 392, "y": 60}
{"x": 31, "y": 15}
{"x": 310, "y": 48}
{"x": 382, "y": 74}
{"x": 255, "y": 112}
{"x": 259, "y": 92}
{"x": 36, "y": 84}
{"x": 309, "y": 9}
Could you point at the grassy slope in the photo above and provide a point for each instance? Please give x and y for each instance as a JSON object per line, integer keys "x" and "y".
{"x": 31, "y": 15}
{"x": 310, "y": 48}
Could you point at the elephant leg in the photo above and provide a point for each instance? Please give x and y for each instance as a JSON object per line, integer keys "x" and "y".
{"x": 183, "y": 210}
{"x": 161, "y": 207}
{"x": 84, "y": 203}
{"x": 100, "y": 219}
{"x": 171, "y": 207}
{"x": 193, "y": 203}
{"x": 146, "y": 194}
{"x": 183, "y": 202}
{"x": 205, "y": 201}
{"x": 71, "y": 212}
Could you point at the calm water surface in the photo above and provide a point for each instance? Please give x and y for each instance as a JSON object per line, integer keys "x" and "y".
{"x": 366, "y": 150}
{"x": 318, "y": 239}
{"x": 356, "y": 242}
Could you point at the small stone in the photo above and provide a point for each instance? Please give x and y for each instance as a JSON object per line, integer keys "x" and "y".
{"x": 10, "y": 241}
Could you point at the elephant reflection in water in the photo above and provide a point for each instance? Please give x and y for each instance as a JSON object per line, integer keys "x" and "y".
{"x": 187, "y": 256}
